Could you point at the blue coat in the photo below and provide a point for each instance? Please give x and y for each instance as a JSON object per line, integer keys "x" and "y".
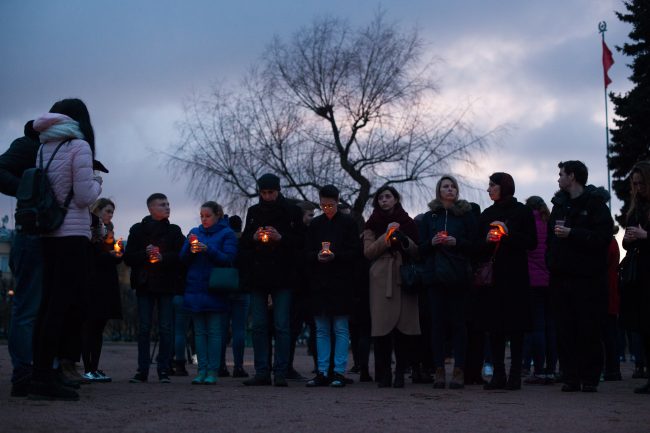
{"x": 222, "y": 250}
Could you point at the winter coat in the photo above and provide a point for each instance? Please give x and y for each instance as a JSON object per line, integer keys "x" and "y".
{"x": 584, "y": 253}
{"x": 20, "y": 156}
{"x": 103, "y": 299}
{"x": 454, "y": 261}
{"x": 222, "y": 251}
{"x": 635, "y": 298}
{"x": 272, "y": 265}
{"x": 390, "y": 306}
{"x": 539, "y": 276}
{"x": 71, "y": 168}
{"x": 506, "y": 306}
{"x": 166, "y": 276}
{"x": 332, "y": 284}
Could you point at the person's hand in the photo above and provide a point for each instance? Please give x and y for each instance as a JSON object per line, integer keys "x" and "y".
{"x": 450, "y": 240}
{"x": 439, "y": 238}
{"x": 325, "y": 258}
{"x": 150, "y": 248}
{"x": 273, "y": 233}
{"x": 562, "y": 232}
{"x": 198, "y": 247}
{"x": 635, "y": 233}
{"x": 116, "y": 254}
{"x": 503, "y": 228}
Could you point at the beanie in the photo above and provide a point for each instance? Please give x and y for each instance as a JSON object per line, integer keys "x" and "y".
{"x": 268, "y": 181}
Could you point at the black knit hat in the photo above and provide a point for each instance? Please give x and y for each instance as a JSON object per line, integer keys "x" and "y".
{"x": 268, "y": 181}
{"x": 506, "y": 182}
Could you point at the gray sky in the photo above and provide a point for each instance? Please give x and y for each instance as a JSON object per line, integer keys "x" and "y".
{"x": 533, "y": 65}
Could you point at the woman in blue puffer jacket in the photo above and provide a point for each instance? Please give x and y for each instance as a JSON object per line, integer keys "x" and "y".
{"x": 209, "y": 245}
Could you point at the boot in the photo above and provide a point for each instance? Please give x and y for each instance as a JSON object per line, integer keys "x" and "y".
{"x": 457, "y": 379}
{"x": 179, "y": 368}
{"x": 399, "y": 380}
{"x": 364, "y": 374}
{"x": 70, "y": 374}
{"x": 440, "y": 378}
{"x": 498, "y": 380}
{"x": 514, "y": 380}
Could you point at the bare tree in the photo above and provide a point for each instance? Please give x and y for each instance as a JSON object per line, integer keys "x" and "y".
{"x": 330, "y": 105}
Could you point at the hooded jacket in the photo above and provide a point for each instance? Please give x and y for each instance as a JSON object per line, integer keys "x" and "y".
{"x": 20, "y": 156}
{"x": 221, "y": 242}
{"x": 584, "y": 252}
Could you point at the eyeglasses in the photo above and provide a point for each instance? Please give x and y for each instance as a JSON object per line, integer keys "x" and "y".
{"x": 327, "y": 206}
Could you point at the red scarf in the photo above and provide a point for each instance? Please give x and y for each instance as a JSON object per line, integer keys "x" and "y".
{"x": 379, "y": 220}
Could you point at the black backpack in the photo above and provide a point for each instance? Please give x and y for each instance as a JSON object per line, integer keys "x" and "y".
{"x": 37, "y": 210}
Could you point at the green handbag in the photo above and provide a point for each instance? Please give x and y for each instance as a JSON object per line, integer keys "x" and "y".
{"x": 224, "y": 281}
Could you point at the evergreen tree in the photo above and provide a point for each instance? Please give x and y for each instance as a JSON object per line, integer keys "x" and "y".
{"x": 631, "y": 136}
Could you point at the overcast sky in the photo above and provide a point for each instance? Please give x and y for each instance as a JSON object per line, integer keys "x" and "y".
{"x": 532, "y": 65}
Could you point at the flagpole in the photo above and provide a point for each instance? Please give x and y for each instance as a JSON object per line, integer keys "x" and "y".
{"x": 602, "y": 28}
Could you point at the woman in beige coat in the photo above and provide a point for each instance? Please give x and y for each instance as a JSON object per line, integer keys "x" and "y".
{"x": 389, "y": 235}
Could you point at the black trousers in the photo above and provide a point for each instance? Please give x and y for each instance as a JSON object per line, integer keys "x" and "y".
{"x": 56, "y": 333}
{"x": 403, "y": 346}
{"x": 581, "y": 308}
{"x": 498, "y": 347}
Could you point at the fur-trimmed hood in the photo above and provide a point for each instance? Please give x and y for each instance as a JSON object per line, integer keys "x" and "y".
{"x": 459, "y": 208}
{"x": 593, "y": 192}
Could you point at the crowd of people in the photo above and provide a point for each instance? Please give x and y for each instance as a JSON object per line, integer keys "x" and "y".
{"x": 452, "y": 282}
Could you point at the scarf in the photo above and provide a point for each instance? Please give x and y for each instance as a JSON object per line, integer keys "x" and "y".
{"x": 379, "y": 220}
{"x": 62, "y": 130}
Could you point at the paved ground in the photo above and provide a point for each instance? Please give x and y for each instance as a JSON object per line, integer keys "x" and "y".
{"x": 362, "y": 407}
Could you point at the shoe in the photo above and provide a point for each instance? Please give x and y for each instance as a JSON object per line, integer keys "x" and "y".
{"x": 536, "y": 379}
{"x": 179, "y": 369}
{"x": 513, "y": 383}
{"x": 239, "y": 372}
{"x": 69, "y": 370}
{"x": 497, "y": 382}
{"x": 211, "y": 378}
{"x": 223, "y": 372}
{"x": 103, "y": 377}
{"x": 339, "y": 381}
{"x": 64, "y": 381}
{"x": 589, "y": 388}
{"x": 645, "y": 389}
{"x": 20, "y": 388}
{"x": 398, "y": 380}
{"x": 457, "y": 379}
{"x": 318, "y": 380}
{"x": 612, "y": 377}
{"x": 386, "y": 380}
{"x": 570, "y": 387}
{"x": 292, "y": 374}
{"x": 488, "y": 370}
{"x": 51, "y": 390}
{"x": 258, "y": 380}
{"x": 139, "y": 378}
{"x": 163, "y": 377}
{"x": 364, "y": 375}
{"x": 440, "y": 378}
{"x": 200, "y": 379}
{"x": 91, "y": 376}
{"x": 355, "y": 369}
{"x": 280, "y": 381}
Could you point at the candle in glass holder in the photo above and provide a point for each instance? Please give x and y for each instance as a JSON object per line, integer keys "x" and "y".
{"x": 443, "y": 233}
{"x": 264, "y": 236}
{"x": 325, "y": 248}
{"x": 117, "y": 247}
{"x": 390, "y": 235}
{"x": 153, "y": 256}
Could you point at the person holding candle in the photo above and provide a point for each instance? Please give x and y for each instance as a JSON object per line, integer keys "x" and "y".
{"x": 389, "y": 238}
{"x": 332, "y": 250}
{"x": 67, "y": 138}
{"x": 270, "y": 247}
{"x": 447, "y": 236}
{"x": 103, "y": 299}
{"x": 211, "y": 244}
{"x": 577, "y": 260}
{"x": 506, "y": 232}
{"x": 157, "y": 274}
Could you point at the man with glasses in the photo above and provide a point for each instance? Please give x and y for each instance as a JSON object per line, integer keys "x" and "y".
{"x": 269, "y": 252}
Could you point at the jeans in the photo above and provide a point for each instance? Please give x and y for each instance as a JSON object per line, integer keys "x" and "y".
{"x": 238, "y": 318}
{"x": 146, "y": 302}
{"x": 209, "y": 333}
{"x": 261, "y": 348}
{"x": 324, "y": 326}
{"x": 26, "y": 263}
{"x": 542, "y": 342}
{"x": 448, "y": 312}
{"x": 182, "y": 322}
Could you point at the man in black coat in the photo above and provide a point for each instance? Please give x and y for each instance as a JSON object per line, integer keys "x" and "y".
{"x": 269, "y": 252}
{"x": 580, "y": 230}
{"x": 26, "y": 265}
{"x": 333, "y": 249}
{"x": 157, "y": 274}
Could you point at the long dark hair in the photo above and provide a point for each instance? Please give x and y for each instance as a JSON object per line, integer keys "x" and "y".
{"x": 643, "y": 168}
{"x": 375, "y": 199}
{"x": 77, "y": 110}
{"x": 537, "y": 203}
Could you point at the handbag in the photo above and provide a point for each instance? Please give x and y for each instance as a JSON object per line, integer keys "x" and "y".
{"x": 415, "y": 277}
{"x": 484, "y": 273}
{"x": 224, "y": 280}
{"x": 628, "y": 269}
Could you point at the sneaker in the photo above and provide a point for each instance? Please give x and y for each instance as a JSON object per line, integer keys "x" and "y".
{"x": 280, "y": 381}
{"x": 488, "y": 370}
{"x": 223, "y": 372}
{"x": 211, "y": 378}
{"x": 103, "y": 377}
{"x": 163, "y": 377}
{"x": 239, "y": 372}
{"x": 138, "y": 378}
{"x": 258, "y": 380}
{"x": 292, "y": 374}
{"x": 319, "y": 380}
{"x": 200, "y": 379}
{"x": 338, "y": 381}
{"x": 91, "y": 376}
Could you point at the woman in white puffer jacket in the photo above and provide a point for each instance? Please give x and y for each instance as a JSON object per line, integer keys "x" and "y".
{"x": 66, "y": 251}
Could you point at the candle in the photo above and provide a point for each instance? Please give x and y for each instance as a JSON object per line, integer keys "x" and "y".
{"x": 153, "y": 256}
{"x": 325, "y": 248}
{"x": 117, "y": 247}
{"x": 389, "y": 235}
{"x": 264, "y": 236}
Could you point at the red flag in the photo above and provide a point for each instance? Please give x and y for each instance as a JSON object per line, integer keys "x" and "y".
{"x": 608, "y": 61}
